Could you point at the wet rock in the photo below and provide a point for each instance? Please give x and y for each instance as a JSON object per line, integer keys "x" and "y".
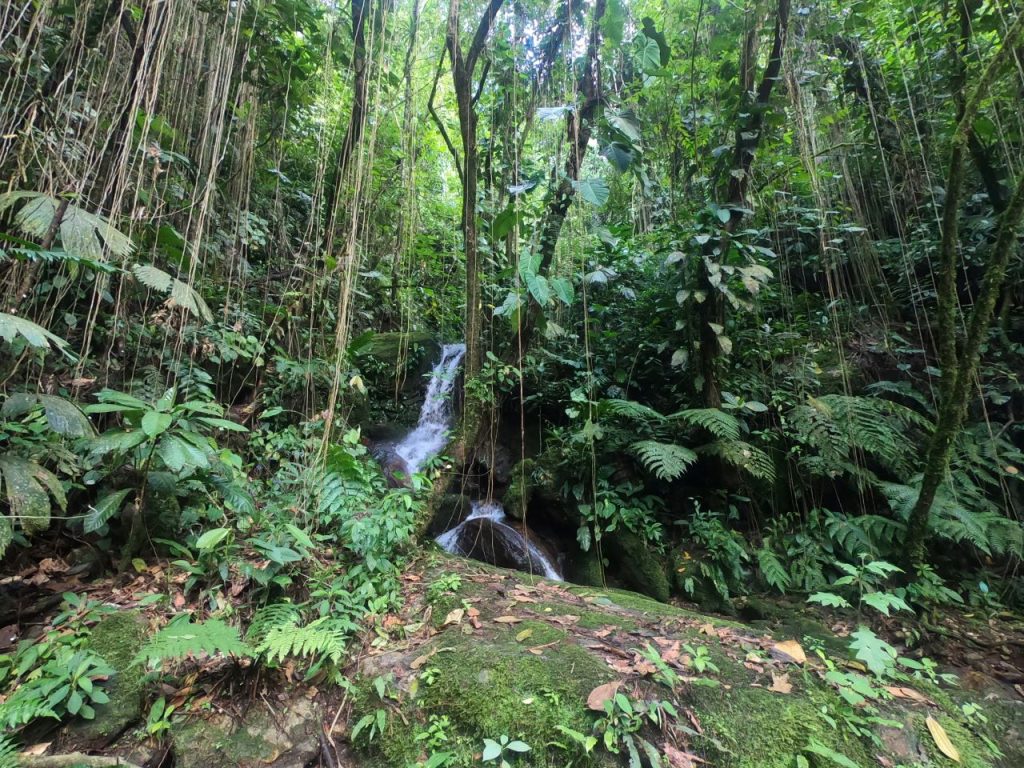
{"x": 287, "y": 737}
{"x": 636, "y": 566}
{"x": 452, "y": 509}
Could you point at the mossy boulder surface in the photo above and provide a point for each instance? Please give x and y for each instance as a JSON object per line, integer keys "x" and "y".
{"x": 497, "y": 653}
{"x": 117, "y": 638}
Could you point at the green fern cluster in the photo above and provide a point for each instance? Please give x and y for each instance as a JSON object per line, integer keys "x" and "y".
{"x": 182, "y": 639}
{"x": 324, "y": 638}
{"x": 842, "y": 429}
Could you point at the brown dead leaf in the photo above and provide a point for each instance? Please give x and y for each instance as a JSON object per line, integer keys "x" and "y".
{"x": 941, "y": 739}
{"x": 780, "y": 683}
{"x": 789, "y": 651}
{"x": 454, "y": 617}
{"x": 507, "y": 620}
{"x": 178, "y": 601}
{"x": 604, "y": 632}
{"x": 901, "y": 692}
{"x": 565, "y": 621}
{"x": 537, "y": 650}
{"x": 707, "y": 629}
{"x": 601, "y": 694}
{"x": 419, "y": 661}
{"x": 37, "y": 749}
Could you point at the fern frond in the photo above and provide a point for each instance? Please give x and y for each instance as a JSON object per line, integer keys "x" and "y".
{"x": 745, "y": 456}
{"x": 267, "y": 618}
{"x": 722, "y": 425}
{"x": 772, "y": 569}
{"x": 181, "y": 639}
{"x": 81, "y": 232}
{"x": 666, "y": 461}
{"x": 630, "y": 409}
{"x": 324, "y": 638}
{"x": 12, "y": 326}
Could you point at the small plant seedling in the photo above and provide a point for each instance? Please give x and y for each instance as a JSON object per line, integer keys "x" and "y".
{"x": 502, "y": 749}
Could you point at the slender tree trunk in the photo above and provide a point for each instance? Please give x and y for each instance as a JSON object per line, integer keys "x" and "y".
{"x": 357, "y": 117}
{"x": 749, "y": 131}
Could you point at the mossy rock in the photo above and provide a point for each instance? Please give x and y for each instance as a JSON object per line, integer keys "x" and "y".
{"x": 634, "y": 564}
{"x": 285, "y": 738}
{"x": 533, "y": 652}
{"x": 516, "y": 500}
{"x": 117, "y": 638}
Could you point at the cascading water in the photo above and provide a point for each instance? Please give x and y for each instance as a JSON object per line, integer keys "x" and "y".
{"x": 487, "y": 533}
{"x": 431, "y": 432}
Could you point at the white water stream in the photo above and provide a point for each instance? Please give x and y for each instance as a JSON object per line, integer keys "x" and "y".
{"x": 431, "y": 433}
{"x": 428, "y": 438}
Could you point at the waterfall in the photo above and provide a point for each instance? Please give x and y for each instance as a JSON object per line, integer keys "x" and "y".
{"x": 487, "y": 533}
{"x": 493, "y": 535}
{"x": 431, "y": 431}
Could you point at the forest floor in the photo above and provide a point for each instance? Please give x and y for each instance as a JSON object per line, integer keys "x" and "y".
{"x": 480, "y": 653}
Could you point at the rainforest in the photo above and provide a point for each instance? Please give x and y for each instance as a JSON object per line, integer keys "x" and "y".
{"x": 511, "y": 383}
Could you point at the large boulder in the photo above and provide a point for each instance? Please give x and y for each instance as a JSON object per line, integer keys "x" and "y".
{"x": 507, "y": 655}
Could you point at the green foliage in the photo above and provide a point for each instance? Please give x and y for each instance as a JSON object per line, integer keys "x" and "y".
{"x": 665, "y": 461}
{"x": 324, "y": 638}
{"x": 182, "y": 638}
{"x": 502, "y": 750}
{"x": 66, "y": 684}
{"x": 13, "y": 327}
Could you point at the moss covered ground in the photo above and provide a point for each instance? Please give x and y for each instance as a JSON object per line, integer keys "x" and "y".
{"x": 504, "y": 654}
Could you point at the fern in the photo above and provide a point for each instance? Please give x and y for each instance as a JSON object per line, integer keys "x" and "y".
{"x": 772, "y": 569}
{"x": 323, "y": 638}
{"x": 8, "y": 752}
{"x": 745, "y": 456}
{"x": 722, "y": 425}
{"x": 631, "y": 410}
{"x": 181, "y": 639}
{"x": 978, "y": 523}
{"x": 181, "y": 293}
{"x": 267, "y": 618}
{"x": 666, "y": 460}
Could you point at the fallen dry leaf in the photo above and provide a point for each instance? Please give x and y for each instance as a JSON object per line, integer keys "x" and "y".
{"x": 707, "y": 629}
{"x": 789, "y": 651}
{"x": 941, "y": 739}
{"x": 780, "y": 683}
{"x": 523, "y": 635}
{"x": 454, "y": 617}
{"x": 604, "y": 632}
{"x": 508, "y": 620}
{"x": 419, "y": 661}
{"x": 36, "y": 749}
{"x": 601, "y": 694}
{"x": 906, "y": 693}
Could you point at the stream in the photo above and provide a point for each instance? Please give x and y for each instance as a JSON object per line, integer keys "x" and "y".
{"x": 487, "y": 533}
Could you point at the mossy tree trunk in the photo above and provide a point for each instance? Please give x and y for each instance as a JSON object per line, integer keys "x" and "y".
{"x": 959, "y": 368}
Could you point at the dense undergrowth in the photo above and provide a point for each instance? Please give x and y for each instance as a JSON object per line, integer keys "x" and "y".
{"x": 729, "y": 275}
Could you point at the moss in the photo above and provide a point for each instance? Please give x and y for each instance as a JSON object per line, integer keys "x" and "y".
{"x": 586, "y": 568}
{"x": 638, "y": 567}
{"x": 755, "y": 728}
{"x": 117, "y": 638}
{"x": 972, "y": 753}
{"x": 494, "y": 687}
{"x": 520, "y": 489}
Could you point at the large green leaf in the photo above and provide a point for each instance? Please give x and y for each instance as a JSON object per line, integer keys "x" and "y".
{"x": 63, "y": 416}
{"x": 104, "y": 509}
{"x": 181, "y": 293}
{"x": 28, "y": 487}
{"x": 155, "y": 423}
{"x": 594, "y": 191}
{"x": 12, "y": 326}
